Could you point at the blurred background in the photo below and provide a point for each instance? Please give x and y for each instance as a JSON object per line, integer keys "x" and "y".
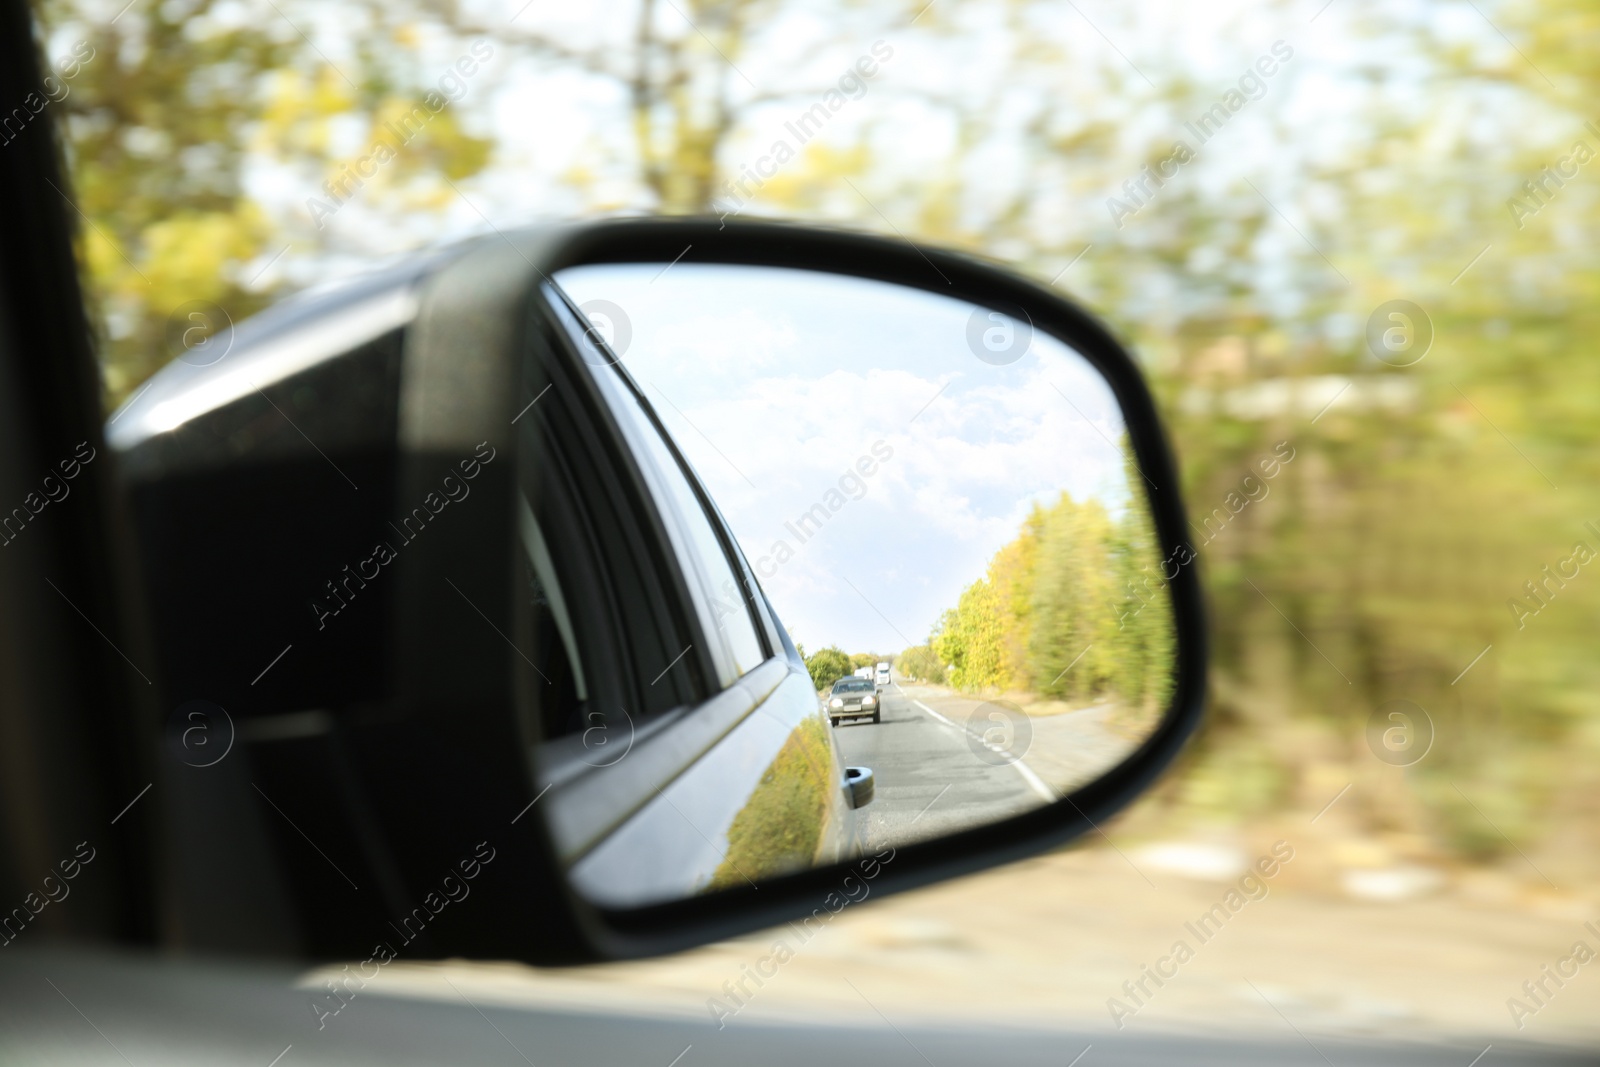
{"x": 1242, "y": 191}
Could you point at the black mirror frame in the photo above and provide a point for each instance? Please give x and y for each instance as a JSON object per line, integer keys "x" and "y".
{"x": 502, "y": 274}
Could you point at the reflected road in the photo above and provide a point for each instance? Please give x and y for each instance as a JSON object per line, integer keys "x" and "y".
{"x": 931, "y": 782}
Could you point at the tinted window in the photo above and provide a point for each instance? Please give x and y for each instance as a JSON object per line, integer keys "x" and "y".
{"x": 547, "y": 641}
{"x": 727, "y": 600}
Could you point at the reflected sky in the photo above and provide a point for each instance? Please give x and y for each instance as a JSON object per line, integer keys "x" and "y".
{"x": 781, "y": 386}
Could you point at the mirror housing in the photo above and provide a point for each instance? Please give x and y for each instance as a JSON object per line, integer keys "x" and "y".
{"x": 861, "y": 786}
{"x": 367, "y": 775}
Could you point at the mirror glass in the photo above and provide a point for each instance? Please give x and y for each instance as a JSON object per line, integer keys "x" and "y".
{"x": 939, "y": 505}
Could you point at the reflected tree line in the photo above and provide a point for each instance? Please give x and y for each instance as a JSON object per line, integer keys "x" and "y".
{"x": 1071, "y": 609}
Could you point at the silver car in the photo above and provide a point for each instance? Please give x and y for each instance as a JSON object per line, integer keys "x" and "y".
{"x": 853, "y": 698}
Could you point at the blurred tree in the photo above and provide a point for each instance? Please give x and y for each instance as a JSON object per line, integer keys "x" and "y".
{"x": 168, "y": 107}
{"x": 677, "y": 69}
{"x": 922, "y": 664}
{"x": 828, "y": 665}
{"x": 969, "y": 639}
{"x": 1422, "y": 495}
{"x": 1075, "y": 601}
{"x": 154, "y": 125}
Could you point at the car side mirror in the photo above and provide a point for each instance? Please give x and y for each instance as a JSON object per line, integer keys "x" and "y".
{"x": 475, "y": 586}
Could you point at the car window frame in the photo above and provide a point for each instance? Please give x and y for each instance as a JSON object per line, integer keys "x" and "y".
{"x": 589, "y": 799}
{"x": 588, "y": 478}
{"x": 679, "y": 500}
{"x": 757, "y": 611}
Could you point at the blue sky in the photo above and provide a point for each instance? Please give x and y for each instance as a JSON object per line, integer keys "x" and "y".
{"x": 776, "y": 382}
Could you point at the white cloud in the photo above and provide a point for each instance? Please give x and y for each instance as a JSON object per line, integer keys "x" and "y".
{"x": 776, "y": 384}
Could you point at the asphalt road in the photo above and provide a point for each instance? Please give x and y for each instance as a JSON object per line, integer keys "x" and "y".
{"x": 934, "y": 773}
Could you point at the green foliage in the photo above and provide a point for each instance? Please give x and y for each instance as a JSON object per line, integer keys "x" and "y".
{"x": 168, "y": 108}
{"x": 921, "y": 663}
{"x": 969, "y": 639}
{"x": 155, "y": 128}
{"x": 828, "y": 665}
{"x": 1076, "y": 602}
{"x": 1073, "y": 608}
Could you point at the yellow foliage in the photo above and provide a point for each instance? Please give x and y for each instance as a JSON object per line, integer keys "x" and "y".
{"x": 779, "y": 828}
{"x": 800, "y": 185}
{"x": 186, "y": 257}
{"x": 298, "y": 117}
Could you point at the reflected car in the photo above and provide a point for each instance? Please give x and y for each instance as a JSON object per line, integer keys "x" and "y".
{"x": 853, "y": 698}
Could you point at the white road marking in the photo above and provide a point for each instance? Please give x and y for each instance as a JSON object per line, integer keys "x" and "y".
{"x": 936, "y": 715}
{"x": 1034, "y": 781}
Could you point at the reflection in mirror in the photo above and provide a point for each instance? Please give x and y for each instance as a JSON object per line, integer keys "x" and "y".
{"x": 938, "y": 505}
